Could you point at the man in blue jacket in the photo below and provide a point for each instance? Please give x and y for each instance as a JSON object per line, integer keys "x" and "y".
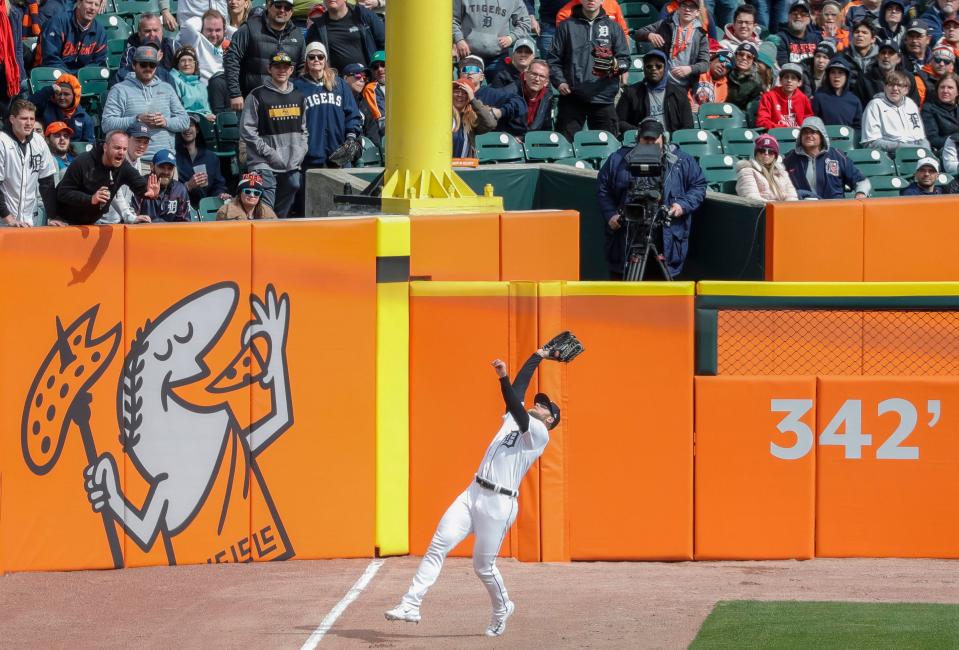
{"x": 508, "y": 107}
{"x": 797, "y": 42}
{"x": 533, "y": 87}
{"x": 173, "y": 201}
{"x": 819, "y": 171}
{"x": 683, "y": 191}
{"x": 350, "y": 34}
{"x": 74, "y": 39}
{"x": 924, "y": 182}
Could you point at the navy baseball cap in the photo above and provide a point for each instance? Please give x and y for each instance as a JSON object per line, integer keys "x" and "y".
{"x": 164, "y": 157}
{"x": 139, "y": 130}
{"x": 352, "y": 68}
{"x": 543, "y": 400}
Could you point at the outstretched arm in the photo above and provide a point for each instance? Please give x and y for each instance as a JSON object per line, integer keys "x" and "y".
{"x": 513, "y": 403}
{"x": 521, "y": 383}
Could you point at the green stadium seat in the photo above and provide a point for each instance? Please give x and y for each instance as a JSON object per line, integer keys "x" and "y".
{"x": 718, "y": 169}
{"x": 696, "y": 142}
{"x": 720, "y": 116}
{"x": 574, "y": 162}
{"x": 740, "y": 142}
{"x": 42, "y": 76}
{"x": 786, "y": 136}
{"x": 872, "y": 162}
{"x": 94, "y": 84}
{"x": 887, "y": 185}
{"x": 370, "y": 156}
{"x": 499, "y": 147}
{"x": 629, "y": 138}
{"x": 907, "y": 157}
{"x": 115, "y": 26}
{"x": 78, "y": 147}
{"x": 137, "y": 7}
{"x": 639, "y": 14}
{"x": 751, "y": 110}
{"x": 595, "y": 146}
{"x": 228, "y": 138}
{"x": 547, "y": 146}
{"x": 208, "y": 207}
{"x": 842, "y": 137}
{"x": 943, "y": 179}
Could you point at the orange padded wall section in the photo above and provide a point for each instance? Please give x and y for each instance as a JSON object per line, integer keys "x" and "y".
{"x": 63, "y": 315}
{"x": 911, "y": 239}
{"x": 892, "y": 494}
{"x": 188, "y": 476}
{"x": 539, "y": 245}
{"x": 628, "y": 421}
{"x": 752, "y": 504}
{"x": 814, "y": 240}
{"x": 316, "y": 479}
{"x": 456, "y": 330}
{"x": 457, "y": 247}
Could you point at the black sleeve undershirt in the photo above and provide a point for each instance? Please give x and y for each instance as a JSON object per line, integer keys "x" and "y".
{"x": 48, "y": 193}
{"x": 514, "y": 405}
{"x": 521, "y": 383}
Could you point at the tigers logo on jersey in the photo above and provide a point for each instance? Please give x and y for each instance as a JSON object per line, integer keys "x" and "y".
{"x": 36, "y": 162}
{"x": 510, "y": 439}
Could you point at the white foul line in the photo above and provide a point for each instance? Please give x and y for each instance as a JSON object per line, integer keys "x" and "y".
{"x": 341, "y": 606}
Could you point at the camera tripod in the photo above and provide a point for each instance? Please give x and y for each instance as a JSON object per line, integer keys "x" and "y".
{"x": 639, "y": 254}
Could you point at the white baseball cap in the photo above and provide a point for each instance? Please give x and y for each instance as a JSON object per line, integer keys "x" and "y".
{"x": 928, "y": 161}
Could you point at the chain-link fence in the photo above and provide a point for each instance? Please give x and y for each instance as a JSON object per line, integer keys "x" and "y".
{"x": 837, "y": 342}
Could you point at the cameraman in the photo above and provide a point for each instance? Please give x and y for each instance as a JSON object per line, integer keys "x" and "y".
{"x": 683, "y": 188}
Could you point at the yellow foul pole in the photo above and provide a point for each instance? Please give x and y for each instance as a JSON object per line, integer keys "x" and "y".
{"x": 419, "y": 107}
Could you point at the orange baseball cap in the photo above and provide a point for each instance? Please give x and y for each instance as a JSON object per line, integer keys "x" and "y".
{"x": 57, "y": 127}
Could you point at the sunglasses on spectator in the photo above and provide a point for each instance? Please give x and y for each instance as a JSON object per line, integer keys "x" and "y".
{"x": 766, "y": 152}
{"x": 377, "y": 66}
{"x": 249, "y": 191}
{"x": 472, "y": 69}
{"x": 655, "y": 65}
{"x": 357, "y": 75}
{"x": 144, "y": 64}
{"x": 940, "y": 60}
{"x": 283, "y": 6}
{"x": 315, "y": 57}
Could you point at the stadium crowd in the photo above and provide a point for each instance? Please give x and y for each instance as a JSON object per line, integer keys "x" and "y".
{"x": 155, "y": 110}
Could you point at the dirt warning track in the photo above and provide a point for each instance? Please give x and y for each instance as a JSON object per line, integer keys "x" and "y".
{"x": 280, "y": 605}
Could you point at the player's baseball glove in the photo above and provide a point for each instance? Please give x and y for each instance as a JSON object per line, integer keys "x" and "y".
{"x": 564, "y": 347}
{"x": 347, "y": 153}
{"x": 604, "y": 61}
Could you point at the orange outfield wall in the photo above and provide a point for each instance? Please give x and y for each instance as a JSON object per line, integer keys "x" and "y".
{"x": 909, "y": 239}
{"x": 539, "y": 245}
{"x": 814, "y": 241}
{"x": 750, "y": 504}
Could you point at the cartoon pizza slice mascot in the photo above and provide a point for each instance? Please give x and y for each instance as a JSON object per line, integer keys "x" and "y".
{"x": 198, "y": 461}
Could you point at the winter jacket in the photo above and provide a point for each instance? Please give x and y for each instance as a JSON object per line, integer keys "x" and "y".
{"x": 273, "y": 126}
{"x": 49, "y": 9}
{"x": 482, "y": 24}
{"x": 857, "y": 63}
{"x": 66, "y": 45}
{"x": 611, "y": 7}
{"x": 126, "y": 61}
{"x": 48, "y": 112}
{"x": 542, "y": 120}
{"x": 832, "y": 171}
{"x": 251, "y": 48}
{"x": 683, "y": 183}
{"x": 933, "y": 19}
{"x": 506, "y": 75}
{"x": 209, "y": 56}
{"x": 232, "y": 210}
{"x": 130, "y": 98}
{"x": 855, "y": 12}
{"x": 950, "y": 155}
{"x": 84, "y": 177}
{"x": 844, "y": 108}
{"x": 939, "y": 121}
{"x": 731, "y": 42}
{"x": 186, "y": 168}
{"x": 743, "y": 87}
{"x": 549, "y": 9}
{"x": 633, "y": 107}
{"x": 886, "y": 33}
{"x": 888, "y": 126}
{"x": 913, "y": 189}
{"x": 774, "y": 109}
{"x": 751, "y": 183}
{"x": 571, "y": 59}
{"x": 330, "y": 116}
{"x": 796, "y": 49}
{"x": 192, "y": 91}
{"x": 513, "y": 107}
{"x": 698, "y": 55}
{"x": 27, "y": 171}
{"x": 173, "y": 204}
{"x": 368, "y": 23}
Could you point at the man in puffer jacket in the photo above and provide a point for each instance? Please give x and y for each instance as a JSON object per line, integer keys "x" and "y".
{"x": 820, "y": 171}
{"x": 891, "y": 119}
{"x": 488, "y": 30}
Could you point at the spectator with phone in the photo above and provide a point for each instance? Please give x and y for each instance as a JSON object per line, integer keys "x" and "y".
{"x": 198, "y": 167}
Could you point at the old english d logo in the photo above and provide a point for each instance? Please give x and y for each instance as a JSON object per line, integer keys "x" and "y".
{"x": 198, "y": 461}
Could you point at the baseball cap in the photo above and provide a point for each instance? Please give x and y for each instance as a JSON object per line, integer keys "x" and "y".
{"x": 472, "y": 59}
{"x": 316, "y": 46}
{"x": 950, "y": 19}
{"x": 139, "y": 130}
{"x": 281, "y": 2}
{"x": 889, "y": 45}
{"x": 352, "y": 68}
{"x": 766, "y": 141}
{"x": 746, "y": 46}
{"x": 146, "y": 54}
{"x": 791, "y": 67}
{"x": 799, "y": 4}
{"x": 826, "y": 47}
{"x": 543, "y": 400}
{"x": 928, "y": 161}
{"x": 196, "y": 117}
{"x": 164, "y": 157}
{"x": 918, "y": 27}
{"x": 57, "y": 127}
{"x": 525, "y": 42}
{"x": 378, "y": 57}
{"x": 944, "y": 51}
{"x": 650, "y": 128}
{"x": 281, "y": 58}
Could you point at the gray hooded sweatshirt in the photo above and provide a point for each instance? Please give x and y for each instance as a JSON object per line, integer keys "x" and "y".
{"x": 816, "y": 124}
{"x": 481, "y": 23}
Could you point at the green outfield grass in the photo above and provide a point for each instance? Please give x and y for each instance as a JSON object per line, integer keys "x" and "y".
{"x": 792, "y": 624}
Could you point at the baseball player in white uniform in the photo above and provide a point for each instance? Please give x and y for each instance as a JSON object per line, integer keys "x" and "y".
{"x": 488, "y": 507}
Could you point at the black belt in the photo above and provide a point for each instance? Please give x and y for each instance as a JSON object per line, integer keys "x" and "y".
{"x": 489, "y": 485}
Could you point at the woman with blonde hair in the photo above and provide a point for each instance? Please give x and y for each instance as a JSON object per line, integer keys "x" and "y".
{"x": 237, "y": 13}
{"x": 248, "y": 202}
{"x": 470, "y": 117}
{"x": 763, "y": 176}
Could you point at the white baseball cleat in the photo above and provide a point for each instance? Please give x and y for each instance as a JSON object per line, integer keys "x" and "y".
{"x": 498, "y": 625}
{"x": 403, "y": 613}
